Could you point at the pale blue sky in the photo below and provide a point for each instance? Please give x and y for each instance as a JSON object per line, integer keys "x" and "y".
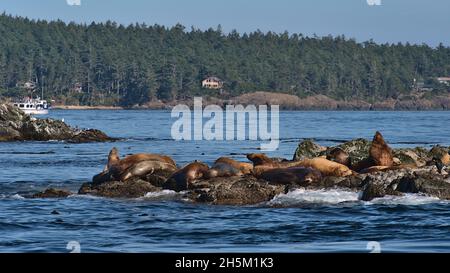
{"x": 416, "y": 21}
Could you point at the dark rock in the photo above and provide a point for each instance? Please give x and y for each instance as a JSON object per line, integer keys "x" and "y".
{"x": 349, "y": 182}
{"x": 427, "y": 183}
{"x": 116, "y": 189}
{"x": 235, "y": 191}
{"x": 52, "y": 193}
{"x": 395, "y": 182}
{"x": 15, "y": 125}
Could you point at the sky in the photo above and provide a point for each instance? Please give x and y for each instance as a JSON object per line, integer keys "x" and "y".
{"x": 392, "y": 21}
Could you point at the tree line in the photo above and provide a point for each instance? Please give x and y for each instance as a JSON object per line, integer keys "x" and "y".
{"x": 111, "y": 64}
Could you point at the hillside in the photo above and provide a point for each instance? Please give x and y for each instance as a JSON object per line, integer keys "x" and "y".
{"x": 110, "y": 64}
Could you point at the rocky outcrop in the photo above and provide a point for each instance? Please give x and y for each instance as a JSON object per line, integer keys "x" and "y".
{"x": 15, "y": 125}
{"x": 117, "y": 189}
{"x": 415, "y": 170}
{"x": 52, "y": 193}
{"x": 397, "y": 182}
{"x": 308, "y": 149}
{"x": 245, "y": 190}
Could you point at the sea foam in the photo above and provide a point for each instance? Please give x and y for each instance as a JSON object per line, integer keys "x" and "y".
{"x": 302, "y": 196}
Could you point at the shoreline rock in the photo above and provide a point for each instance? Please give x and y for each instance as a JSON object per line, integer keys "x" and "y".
{"x": 15, "y": 125}
{"x": 51, "y": 193}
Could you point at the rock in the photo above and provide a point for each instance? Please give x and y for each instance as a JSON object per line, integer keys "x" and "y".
{"x": 235, "y": 191}
{"x": 307, "y": 149}
{"x": 89, "y": 135}
{"x": 353, "y": 183}
{"x": 357, "y": 149}
{"x": 440, "y": 153}
{"x": 417, "y": 156}
{"x": 116, "y": 189}
{"x": 396, "y": 182}
{"x": 15, "y": 125}
{"x": 427, "y": 183}
{"x": 52, "y": 193}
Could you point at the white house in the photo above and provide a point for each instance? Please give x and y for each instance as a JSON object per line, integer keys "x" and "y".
{"x": 212, "y": 83}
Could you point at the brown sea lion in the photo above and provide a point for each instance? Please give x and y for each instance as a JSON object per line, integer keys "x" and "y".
{"x": 292, "y": 176}
{"x": 145, "y": 168}
{"x": 259, "y": 159}
{"x": 326, "y": 167}
{"x": 375, "y": 169}
{"x": 244, "y": 167}
{"x": 223, "y": 170}
{"x": 137, "y": 165}
{"x": 380, "y": 152}
{"x": 340, "y": 156}
{"x": 181, "y": 179}
{"x": 128, "y": 161}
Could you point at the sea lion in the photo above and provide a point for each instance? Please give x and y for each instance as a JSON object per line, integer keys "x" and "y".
{"x": 340, "y": 156}
{"x": 380, "y": 152}
{"x": 259, "y": 159}
{"x": 137, "y": 165}
{"x": 375, "y": 169}
{"x": 128, "y": 161}
{"x": 180, "y": 180}
{"x": 223, "y": 170}
{"x": 291, "y": 176}
{"x": 145, "y": 168}
{"x": 326, "y": 167}
{"x": 225, "y": 166}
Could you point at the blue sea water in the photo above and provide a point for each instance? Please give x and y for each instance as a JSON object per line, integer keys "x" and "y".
{"x": 301, "y": 221}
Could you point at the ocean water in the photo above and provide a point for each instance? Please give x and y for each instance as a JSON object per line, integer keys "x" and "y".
{"x": 300, "y": 221}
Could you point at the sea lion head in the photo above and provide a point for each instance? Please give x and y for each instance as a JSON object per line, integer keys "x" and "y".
{"x": 113, "y": 159}
{"x": 259, "y": 159}
{"x": 196, "y": 170}
{"x": 340, "y": 156}
{"x": 312, "y": 176}
{"x": 379, "y": 138}
{"x": 114, "y": 155}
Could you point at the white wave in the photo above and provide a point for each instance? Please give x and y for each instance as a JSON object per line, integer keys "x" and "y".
{"x": 14, "y": 197}
{"x": 160, "y": 194}
{"x": 17, "y": 197}
{"x": 85, "y": 196}
{"x": 302, "y": 196}
{"x": 406, "y": 199}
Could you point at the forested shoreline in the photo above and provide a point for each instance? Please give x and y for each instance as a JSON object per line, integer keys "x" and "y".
{"x": 114, "y": 65}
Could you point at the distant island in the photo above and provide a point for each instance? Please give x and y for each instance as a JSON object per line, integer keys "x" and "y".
{"x": 108, "y": 66}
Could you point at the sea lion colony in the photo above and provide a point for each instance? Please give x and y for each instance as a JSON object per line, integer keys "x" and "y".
{"x": 302, "y": 172}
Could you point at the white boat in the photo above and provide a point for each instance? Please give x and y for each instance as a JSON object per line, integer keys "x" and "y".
{"x": 33, "y": 106}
